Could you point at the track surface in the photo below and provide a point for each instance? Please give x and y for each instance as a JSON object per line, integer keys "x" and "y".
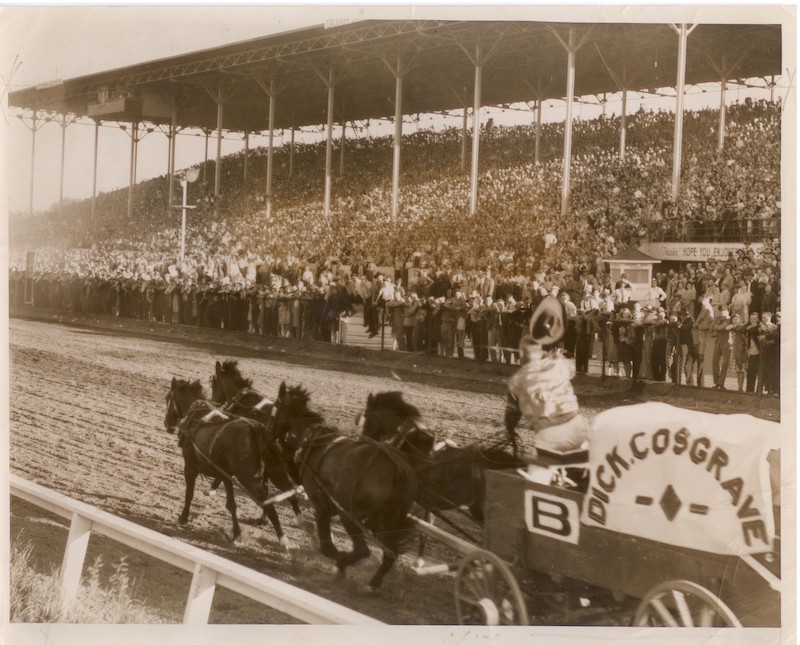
{"x": 87, "y": 408}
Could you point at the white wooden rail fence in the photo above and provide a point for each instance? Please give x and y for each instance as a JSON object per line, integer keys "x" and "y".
{"x": 208, "y": 570}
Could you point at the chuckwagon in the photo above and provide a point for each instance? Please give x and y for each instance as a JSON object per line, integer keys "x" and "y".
{"x": 670, "y": 512}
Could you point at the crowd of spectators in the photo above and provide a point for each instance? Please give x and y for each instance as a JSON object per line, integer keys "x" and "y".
{"x": 296, "y": 273}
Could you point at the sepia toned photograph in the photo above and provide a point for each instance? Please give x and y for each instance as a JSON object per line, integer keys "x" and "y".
{"x": 453, "y": 323}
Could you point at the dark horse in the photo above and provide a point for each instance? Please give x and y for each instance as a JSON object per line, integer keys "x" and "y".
{"x": 235, "y": 392}
{"x": 220, "y": 445}
{"x": 450, "y": 476}
{"x": 367, "y": 484}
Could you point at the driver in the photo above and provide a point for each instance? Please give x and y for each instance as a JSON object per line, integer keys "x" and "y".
{"x": 541, "y": 390}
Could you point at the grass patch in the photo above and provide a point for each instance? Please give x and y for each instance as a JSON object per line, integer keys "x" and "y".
{"x": 105, "y": 596}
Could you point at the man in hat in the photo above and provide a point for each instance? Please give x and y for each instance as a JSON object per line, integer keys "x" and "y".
{"x": 541, "y": 390}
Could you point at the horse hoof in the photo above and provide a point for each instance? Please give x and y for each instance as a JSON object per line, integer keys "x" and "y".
{"x": 183, "y": 520}
{"x": 288, "y": 544}
{"x": 420, "y": 563}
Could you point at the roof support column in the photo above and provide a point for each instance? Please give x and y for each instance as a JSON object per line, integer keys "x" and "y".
{"x": 36, "y": 124}
{"x": 623, "y": 128}
{"x": 397, "y": 71}
{"x": 206, "y": 132}
{"x": 329, "y": 82}
{"x": 464, "y": 139}
{"x": 270, "y": 144}
{"x": 567, "y": 162}
{"x": 34, "y": 127}
{"x": 132, "y": 175}
{"x": 63, "y": 125}
{"x": 476, "y": 130}
{"x": 538, "y": 139}
{"x": 572, "y": 49}
{"x": 218, "y": 165}
{"x": 94, "y": 168}
{"x": 173, "y": 132}
{"x": 722, "y": 115}
{"x": 291, "y": 152}
{"x": 342, "y": 144}
{"x": 683, "y": 32}
{"x": 246, "y": 151}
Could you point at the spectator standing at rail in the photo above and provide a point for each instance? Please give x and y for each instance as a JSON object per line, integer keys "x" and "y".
{"x": 723, "y": 342}
{"x": 753, "y": 351}
{"x": 704, "y": 325}
{"x": 769, "y": 341}
{"x": 739, "y": 349}
{"x": 660, "y": 329}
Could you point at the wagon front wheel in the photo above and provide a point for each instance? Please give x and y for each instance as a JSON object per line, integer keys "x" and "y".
{"x": 487, "y": 592}
{"x": 681, "y": 603}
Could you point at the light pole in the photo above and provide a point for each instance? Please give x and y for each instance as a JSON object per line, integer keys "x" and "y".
{"x": 187, "y": 177}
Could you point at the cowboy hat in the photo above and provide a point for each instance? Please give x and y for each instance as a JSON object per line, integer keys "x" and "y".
{"x": 547, "y": 321}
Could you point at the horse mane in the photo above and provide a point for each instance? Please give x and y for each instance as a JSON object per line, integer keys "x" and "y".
{"x": 393, "y": 402}
{"x": 231, "y": 368}
{"x": 195, "y": 387}
{"x": 299, "y": 398}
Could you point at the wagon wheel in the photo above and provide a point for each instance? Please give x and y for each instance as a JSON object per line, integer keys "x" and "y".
{"x": 487, "y": 592}
{"x": 680, "y": 603}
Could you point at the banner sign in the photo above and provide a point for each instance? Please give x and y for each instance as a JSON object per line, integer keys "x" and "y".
{"x": 681, "y": 477}
{"x": 694, "y": 251}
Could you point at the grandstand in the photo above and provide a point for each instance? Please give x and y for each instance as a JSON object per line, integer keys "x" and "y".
{"x": 431, "y": 230}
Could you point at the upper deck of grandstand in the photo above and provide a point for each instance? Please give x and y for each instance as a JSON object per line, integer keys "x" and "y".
{"x": 520, "y": 60}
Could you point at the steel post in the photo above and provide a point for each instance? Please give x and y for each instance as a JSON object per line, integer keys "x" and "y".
{"x": 476, "y": 131}
{"x": 329, "y": 146}
{"x": 33, "y": 161}
{"x": 623, "y": 128}
{"x": 94, "y": 168}
{"x": 173, "y": 132}
{"x": 464, "y": 139}
{"x": 398, "y": 135}
{"x": 568, "y": 123}
{"x": 342, "y": 144}
{"x": 270, "y": 145}
{"x": 722, "y": 114}
{"x": 246, "y": 151}
{"x": 291, "y": 153}
{"x": 218, "y": 167}
{"x": 134, "y": 129}
{"x": 63, "y": 125}
{"x": 538, "y": 131}
{"x": 683, "y": 36}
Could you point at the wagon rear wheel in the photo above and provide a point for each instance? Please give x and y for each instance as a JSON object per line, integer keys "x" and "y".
{"x": 487, "y": 592}
{"x": 681, "y": 603}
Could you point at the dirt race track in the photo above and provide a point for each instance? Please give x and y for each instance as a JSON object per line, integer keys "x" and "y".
{"x": 87, "y": 407}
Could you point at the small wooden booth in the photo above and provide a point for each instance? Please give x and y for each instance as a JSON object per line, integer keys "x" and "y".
{"x": 637, "y": 266}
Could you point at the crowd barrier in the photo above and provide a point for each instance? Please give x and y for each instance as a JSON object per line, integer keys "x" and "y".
{"x": 600, "y": 347}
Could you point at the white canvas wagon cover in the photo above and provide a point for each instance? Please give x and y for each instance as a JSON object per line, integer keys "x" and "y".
{"x": 682, "y": 477}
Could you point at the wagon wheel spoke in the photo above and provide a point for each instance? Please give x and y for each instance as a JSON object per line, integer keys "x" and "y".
{"x": 663, "y": 613}
{"x": 487, "y": 592}
{"x": 683, "y": 608}
{"x": 684, "y": 603}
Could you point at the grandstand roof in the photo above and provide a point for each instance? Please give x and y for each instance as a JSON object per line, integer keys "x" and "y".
{"x": 525, "y": 61}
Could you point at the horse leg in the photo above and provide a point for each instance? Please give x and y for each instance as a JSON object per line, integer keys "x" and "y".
{"x": 190, "y": 475}
{"x": 272, "y": 514}
{"x": 360, "y": 548}
{"x": 212, "y": 490}
{"x": 326, "y": 546}
{"x": 230, "y": 504}
{"x": 386, "y": 564}
{"x": 423, "y": 540}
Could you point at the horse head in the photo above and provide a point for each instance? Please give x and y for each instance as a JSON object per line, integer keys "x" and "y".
{"x": 227, "y": 382}
{"x": 388, "y": 417}
{"x": 291, "y": 416}
{"x": 181, "y": 395}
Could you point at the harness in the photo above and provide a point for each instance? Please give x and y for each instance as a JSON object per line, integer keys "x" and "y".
{"x": 309, "y": 443}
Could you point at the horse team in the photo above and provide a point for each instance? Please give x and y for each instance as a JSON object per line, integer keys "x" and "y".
{"x": 370, "y": 481}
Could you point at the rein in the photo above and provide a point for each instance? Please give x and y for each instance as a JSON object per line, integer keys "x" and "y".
{"x": 301, "y": 455}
